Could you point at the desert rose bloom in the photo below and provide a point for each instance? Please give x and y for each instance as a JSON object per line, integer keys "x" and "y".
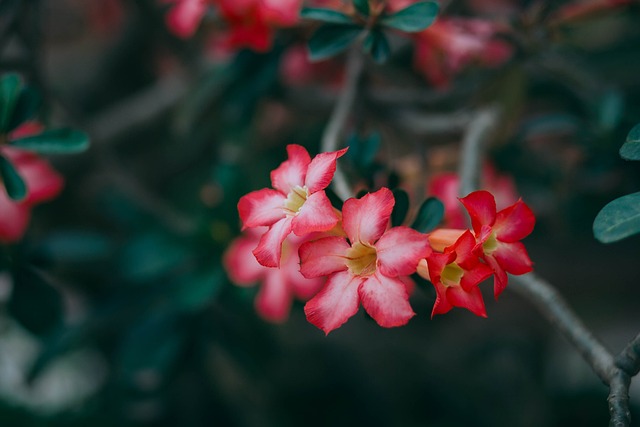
{"x": 42, "y": 181}
{"x": 297, "y": 203}
{"x": 456, "y": 274}
{"x": 367, "y": 268}
{"x": 498, "y": 235}
{"x": 278, "y": 286}
{"x": 184, "y": 16}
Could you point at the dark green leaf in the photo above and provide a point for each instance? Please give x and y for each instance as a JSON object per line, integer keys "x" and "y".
{"x": 10, "y": 86}
{"x": 414, "y": 18}
{"x": 13, "y": 182}
{"x": 151, "y": 256}
{"x": 377, "y": 45}
{"x": 429, "y": 215}
{"x": 331, "y": 39}
{"x": 326, "y": 15}
{"x": 610, "y": 110}
{"x": 26, "y": 107}
{"x": 34, "y": 302}
{"x": 69, "y": 246}
{"x": 363, "y": 150}
{"x": 196, "y": 292}
{"x": 362, "y": 6}
{"x": 618, "y": 219}
{"x": 401, "y": 207}
{"x": 630, "y": 150}
{"x": 54, "y": 141}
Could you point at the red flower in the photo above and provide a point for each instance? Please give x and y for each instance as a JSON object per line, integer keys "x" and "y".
{"x": 367, "y": 268}
{"x": 279, "y": 286}
{"x": 297, "y": 204}
{"x": 184, "y": 17}
{"x": 456, "y": 274}
{"x": 42, "y": 181}
{"x": 498, "y": 235}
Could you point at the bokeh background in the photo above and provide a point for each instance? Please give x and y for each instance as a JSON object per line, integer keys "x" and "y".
{"x": 115, "y": 308}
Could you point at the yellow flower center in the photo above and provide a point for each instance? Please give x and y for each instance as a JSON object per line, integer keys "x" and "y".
{"x": 361, "y": 259}
{"x": 296, "y": 198}
{"x": 451, "y": 275}
{"x": 491, "y": 244}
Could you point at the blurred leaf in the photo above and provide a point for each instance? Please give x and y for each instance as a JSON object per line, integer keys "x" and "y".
{"x": 429, "y": 215}
{"x": 196, "y": 292}
{"x": 362, "y": 150}
{"x": 401, "y": 208}
{"x": 377, "y": 45}
{"x": 151, "y": 256}
{"x": 362, "y": 6}
{"x": 618, "y": 219}
{"x": 54, "y": 141}
{"x": 325, "y": 15}
{"x": 10, "y": 86}
{"x": 331, "y": 39}
{"x": 549, "y": 124}
{"x": 55, "y": 344}
{"x": 34, "y": 303}
{"x": 68, "y": 246}
{"x": 610, "y": 110}
{"x": 26, "y": 107}
{"x": 13, "y": 182}
{"x": 414, "y": 18}
{"x": 630, "y": 150}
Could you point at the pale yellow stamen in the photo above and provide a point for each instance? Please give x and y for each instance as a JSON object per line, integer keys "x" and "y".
{"x": 296, "y": 198}
{"x": 451, "y": 275}
{"x": 491, "y": 244}
{"x": 361, "y": 259}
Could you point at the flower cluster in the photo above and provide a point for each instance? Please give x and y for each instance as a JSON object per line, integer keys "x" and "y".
{"x": 300, "y": 245}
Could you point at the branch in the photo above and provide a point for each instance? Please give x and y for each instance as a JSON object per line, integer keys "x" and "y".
{"x": 339, "y": 116}
{"x": 629, "y": 359}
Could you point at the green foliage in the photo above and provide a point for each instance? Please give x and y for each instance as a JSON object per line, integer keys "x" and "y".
{"x": 377, "y": 45}
{"x": 332, "y": 39}
{"x": 630, "y": 150}
{"x": 414, "y": 18}
{"x": 13, "y": 182}
{"x": 54, "y": 141}
{"x": 429, "y": 215}
{"x": 325, "y": 15}
{"x": 10, "y": 87}
{"x": 618, "y": 219}
{"x": 401, "y": 208}
{"x": 25, "y": 108}
{"x": 362, "y": 6}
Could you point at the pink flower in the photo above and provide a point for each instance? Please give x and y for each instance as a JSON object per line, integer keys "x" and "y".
{"x": 297, "y": 203}
{"x": 456, "y": 274}
{"x": 279, "y": 286}
{"x": 367, "y": 268}
{"x": 184, "y": 16}
{"x": 43, "y": 183}
{"x": 498, "y": 235}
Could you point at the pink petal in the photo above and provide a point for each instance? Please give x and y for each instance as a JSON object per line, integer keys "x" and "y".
{"x": 335, "y": 303}
{"x": 386, "y": 300}
{"x": 436, "y": 262}
{"x": 291, "y": 172}
{"x": 514, "y": 223}
{"x": 481, "y": 207}
{"x": 316, "y": 214}
{"x": 282, "y": 13}
{"x": 321, "y": 170}
{"x": 261, "y": 208}
{"x": 184, "y": 18}
{"x": 15, "y": 218}
{"x": 241, "y": 265}
{"x": 442, "y": 304}
{"x": 399, "y": 250}
{"x": 273, "y": 301}
{"x": 473, "y": 277}
{"x": 500, "y": 279}
{"x": 269, "y": 249}
{"x": 464, "y": 248}
{"x": 365, "y": 220}
{"x": 471, "y": 300}
{"x": 513, "y": 258}
{"x": 43, "y": 182}
{"x": 323, "y": 257}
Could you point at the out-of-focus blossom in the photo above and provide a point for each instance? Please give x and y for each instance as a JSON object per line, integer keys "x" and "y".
{"x": 367, "y": 268}
{"x": 278, "y": 286}
{"x": 585, "y": 9}
{"x": 297, "y": 203}
{"x": 184, "y": 16}
{"x": 42, "y": 181}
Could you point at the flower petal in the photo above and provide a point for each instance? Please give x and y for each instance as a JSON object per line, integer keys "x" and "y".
{"x": 364, "y": 220}
{"x": 442, "y": 304}
{"x": 261, "y": 207}
{"x": 500, "y": 279}
{"x": 335, "y": 303}
{"x": 291, "y": 172}
{"x": 323, "y": 257}
{"x": 514, "y": 223}
{"x": 269, "y": 249}
{"x": 386, "y": 300}
{"x": 473, "y": 277}
{"x": 471, "y": 299}
{"x": 184, "y": 18}
{"x": 513, "y": 257}
{"x": 274, "y": 299}
{"x": 481, "y": 206}
{"x": 316, "y": 214}
{"x": 15, "y": 218}
{"x": 399, "y": 250}
{"x": 241, "y": 265}
{"x": 321, "y": 170}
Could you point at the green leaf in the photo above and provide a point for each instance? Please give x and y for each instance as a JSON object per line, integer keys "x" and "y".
{"x": 10, "y": 86}
{"x": 331, "y": 39}
{"x": 429, "y": 215}
{"x": 13, "y": 182}
{"x": 618, "y": 219}
{"x": 414, "y": 18}
{"x": 195, "y": 292}
{"x": 401, "y": 207}
{"x": 362, "y": 6}
{"x": 377, "y": 45}
{"x": 54, "y": 141}
{"x": 630, "y": 150}
{"x": 26, "y": 107}
{"x": 325, "y": 15}
{"x": 610, "y": 110}
{"x": 151, "y": 256}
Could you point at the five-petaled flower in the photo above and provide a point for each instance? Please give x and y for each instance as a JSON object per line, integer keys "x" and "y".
{"x": 279, "y": 286}
{"x": 498, "y": 235}
{"x": 297, "y": 203}
{"x": 367, "y": 268}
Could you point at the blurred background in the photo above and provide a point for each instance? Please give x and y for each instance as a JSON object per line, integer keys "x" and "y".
{"x": 116, "y": 309}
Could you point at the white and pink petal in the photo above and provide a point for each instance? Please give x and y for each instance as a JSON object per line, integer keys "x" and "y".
{"x": 323, "y": 257}
{"x": 316, "y": 214}
{"x": 386, "y": 300}
{"x": 261, "y": 208}
{"x": 399, "y": 250}
{"x": 366, "y": 219}
{"x": 269, "y": 250}
{"x": 335, "y": 303}
{"x": 321, "y": 170}
{"x": 292, "y": 172}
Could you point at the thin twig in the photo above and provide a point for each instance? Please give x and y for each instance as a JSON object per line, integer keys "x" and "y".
{"x": 629, "y": 359}
{"x": 339, "y": 116}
